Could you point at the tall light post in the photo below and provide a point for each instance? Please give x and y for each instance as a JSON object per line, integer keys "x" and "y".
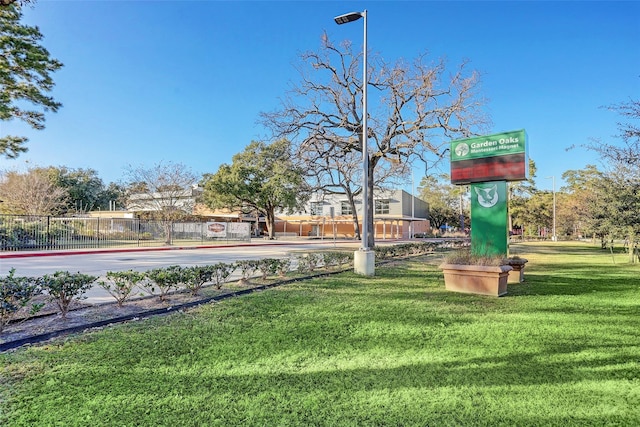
{"x": 554, "y": 237}
{"x": 364, "y": 261}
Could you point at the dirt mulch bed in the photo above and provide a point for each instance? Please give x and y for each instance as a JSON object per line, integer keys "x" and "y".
{"x": 48, "y": 323}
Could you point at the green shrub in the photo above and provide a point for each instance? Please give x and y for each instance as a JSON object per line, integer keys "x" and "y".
{"x": 247, "y": 268}
{"x": 284, "y": 266}
{"x": 63, "y": 287}
{"x": 15, "y": 293}
{"x": 308, "y": 262}
{"x": 464, "y": 257}
{"x": 194, "y": 278}
{"x": 329, "y": 259}
{"x": 221, "y": 271}
{"x": 268, "y": 266}
{"x": 165, "y": 279}
{"x": 121, "y": 284}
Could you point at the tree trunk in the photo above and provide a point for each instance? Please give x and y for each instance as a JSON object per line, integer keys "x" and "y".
{"x": 271, "y": 223}
{"x": 369, "y": 205}
{"x": 632, "y": 244}
{"x": 354, "y": 215}
{"x": 168, "y": 227}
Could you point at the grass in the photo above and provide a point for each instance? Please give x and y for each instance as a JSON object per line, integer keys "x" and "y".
{"x": 562, "y": 349}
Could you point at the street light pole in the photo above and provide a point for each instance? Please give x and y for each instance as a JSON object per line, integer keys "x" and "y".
{"x": 364, "y": 261}
{"x": 554, "y": 237}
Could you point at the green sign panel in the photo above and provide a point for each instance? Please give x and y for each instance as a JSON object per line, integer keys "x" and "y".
{"x": 489, "y": 219}
{"x": 500, "y": 144}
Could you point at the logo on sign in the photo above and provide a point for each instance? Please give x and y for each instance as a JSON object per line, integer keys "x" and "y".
{"x": 462, "y": 149}
{"x": 216, "y": 227}
{"x": 488, "y": 196}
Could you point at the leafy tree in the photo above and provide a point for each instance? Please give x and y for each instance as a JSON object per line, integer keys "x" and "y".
{"x": 536, "y": 213}
{"x": 31, "y": 193}
{"x": 623, "y": 175}
{"x": 443, "y": 199}
{"x": 112, "y": 196}
{"x": 420, "y": 107}
{"x": 25, "y": 77}
{"x": 84, "y": 187}
{"x": 586, "y": 202}
{"x": 20, "y": 2}
{"x": 262, "y": 178}
{"x": 519, "y": 193}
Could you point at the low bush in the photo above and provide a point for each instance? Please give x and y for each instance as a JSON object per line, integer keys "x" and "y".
{"x": 15, "y": 293}
{"x": 247, "y": 267}
{"x": 221, "y": 271}
{"x": 268, "y": 266}
{"x": 308, "y": 262}
{"x": 194, "y": 278}
{"x": 120, "y": 284}
{"x": 164, "y": 279}
{"x": 284, "y": 266}
{"x": 64, "y": 287}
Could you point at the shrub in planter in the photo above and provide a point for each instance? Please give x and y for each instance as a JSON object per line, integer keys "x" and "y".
{"x": 120, "y": 284}
{"x": 15, "y": 293}
{"x": 465, "y": 257}
{"x": 467, "y": 273}
{"x": 63, "y": 287}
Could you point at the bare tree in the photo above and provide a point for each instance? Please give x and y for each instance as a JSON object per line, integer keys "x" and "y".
{"x": 329, "y": 169}
{"x": 165, "y": 191}
{"x": 416, "y": 109}
{"x": 31, "y": 193}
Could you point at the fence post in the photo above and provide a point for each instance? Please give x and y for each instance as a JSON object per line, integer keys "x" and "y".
{"x": 48, "y": 232}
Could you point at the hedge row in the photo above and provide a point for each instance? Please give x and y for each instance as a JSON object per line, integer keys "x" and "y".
{"x": 17, "y": 294}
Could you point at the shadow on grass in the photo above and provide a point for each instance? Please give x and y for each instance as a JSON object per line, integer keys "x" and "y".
{"x": 305, "y": 394}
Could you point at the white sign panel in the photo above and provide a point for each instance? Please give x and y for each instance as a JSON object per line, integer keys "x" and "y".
{"x": 216, "y": 229}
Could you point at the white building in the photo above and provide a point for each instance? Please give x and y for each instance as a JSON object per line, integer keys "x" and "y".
{"x": 397, "y": 215}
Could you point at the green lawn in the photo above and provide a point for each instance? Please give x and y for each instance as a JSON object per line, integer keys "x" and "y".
{"x": 397, "y": 349}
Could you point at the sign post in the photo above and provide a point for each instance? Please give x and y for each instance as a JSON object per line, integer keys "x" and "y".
{"x": 487, "y": 163}
{"x": 489, "y": 219}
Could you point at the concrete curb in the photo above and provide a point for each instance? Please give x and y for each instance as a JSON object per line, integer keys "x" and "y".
{"x": 149, "y": 249}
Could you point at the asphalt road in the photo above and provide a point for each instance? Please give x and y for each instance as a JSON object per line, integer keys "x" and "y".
{"x": 99, "y": 263}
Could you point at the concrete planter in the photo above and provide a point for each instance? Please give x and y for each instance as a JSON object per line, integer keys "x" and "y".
{"x": 517, "y": 274}
{"x": 476, "y": 279}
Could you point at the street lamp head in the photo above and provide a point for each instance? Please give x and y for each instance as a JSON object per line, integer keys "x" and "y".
{"x": 348, "y": 17}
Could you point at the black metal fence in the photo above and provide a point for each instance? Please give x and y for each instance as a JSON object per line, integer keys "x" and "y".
{"x": 21, "y": 232}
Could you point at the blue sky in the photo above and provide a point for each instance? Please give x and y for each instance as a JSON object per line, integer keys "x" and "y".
{"x": 185, "y": 81}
